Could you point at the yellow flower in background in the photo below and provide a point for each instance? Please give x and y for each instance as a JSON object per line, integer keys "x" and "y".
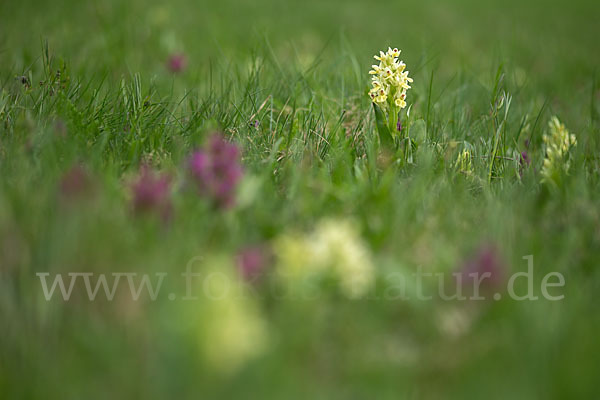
{"x": 389, "y": 80}
{"x": 558, "y": 144}
{"x": 333, "y": 248}
{"x": 463, "y": 163}
{"x": 337, "y": 244}
{"x": 232, "y": 329}
{"x": 295, "y": 256}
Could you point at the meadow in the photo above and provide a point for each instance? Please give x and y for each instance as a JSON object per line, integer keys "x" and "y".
{"x": 221, "y": 166}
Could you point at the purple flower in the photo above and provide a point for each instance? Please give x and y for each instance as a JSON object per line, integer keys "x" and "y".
{"x": 524, "y": 159}
{"x": 524, "y": 162}
{"x": 151, "y": 193}
{"x": 485, "y": 266}
{"x": 177, "y": 63}
{"x": 216, "y": 170}
{"x": 399, "y": 125}
{"x": 251, "y": 261}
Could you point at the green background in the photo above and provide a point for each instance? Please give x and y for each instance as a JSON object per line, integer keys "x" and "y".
{"x": 114, "y": 105}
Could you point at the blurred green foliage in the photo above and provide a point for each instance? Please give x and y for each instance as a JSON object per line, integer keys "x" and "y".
{"x": 87, "y": 83}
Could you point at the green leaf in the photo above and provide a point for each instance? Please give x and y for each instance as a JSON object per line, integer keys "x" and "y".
{"x": 384, "y": 133}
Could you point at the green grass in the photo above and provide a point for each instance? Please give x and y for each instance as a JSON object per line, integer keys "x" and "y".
{"x": 84, "y": 83}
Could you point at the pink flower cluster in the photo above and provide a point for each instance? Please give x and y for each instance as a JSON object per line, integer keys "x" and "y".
{"x": 216, "y": 170}
{"x": 486, "y": 266}
{"x": 151, "y": 193}
{"x": 177, "y": 63}
{"x": 252, "y": 261}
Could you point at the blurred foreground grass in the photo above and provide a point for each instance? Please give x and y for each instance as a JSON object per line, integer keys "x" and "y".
{"x": 87, "y": 84}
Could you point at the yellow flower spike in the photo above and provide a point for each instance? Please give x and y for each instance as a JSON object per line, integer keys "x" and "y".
{"x": 558, "y": 143}
{"x": 390, "y": 76}
{"x": 389, "y": 82}
{"x": 463, "y": 163}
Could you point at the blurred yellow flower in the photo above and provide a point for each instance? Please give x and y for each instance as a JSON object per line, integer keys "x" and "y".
{"x": 463, "y": 163}
{"x": 337, "y": 243}
{"x": 295, "y": 256}
{"x": 334, "y": 247}
{"x": 558, "y": 143}
{"x": 233, "y": 330}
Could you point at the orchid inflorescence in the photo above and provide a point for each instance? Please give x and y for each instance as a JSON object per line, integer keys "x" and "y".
{"x": 216, "y": 170}
{"x": 558, "y": 144}
{"x": 389, "y": 82}
{"x": 151, "y": 192}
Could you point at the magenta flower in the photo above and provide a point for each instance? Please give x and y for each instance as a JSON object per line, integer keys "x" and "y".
{"x": 524, "y": 160}
{"x": 177, "y": 63}
{"x": 251, "y": 261}
{"x": 485, "y": 265}
{"x": 151, "y": 193}
{"x": 216, "y": 170}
